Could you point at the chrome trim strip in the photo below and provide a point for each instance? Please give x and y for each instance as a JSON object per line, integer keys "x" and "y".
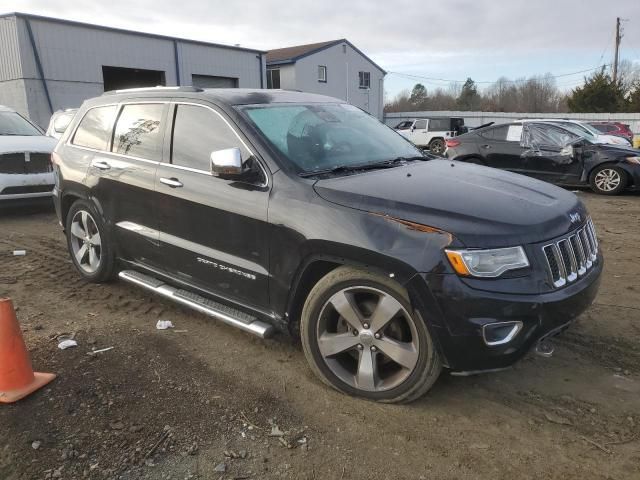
{"x": 197, "y": 248}
{"x": 261, "y": 329}
{"x": 517, "y": 326}
{"x": 140, "y": 229}
{"x": 222, "y": 257}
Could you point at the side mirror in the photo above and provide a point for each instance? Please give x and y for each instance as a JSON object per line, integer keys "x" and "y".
{"x": 227, "y": 163}
{"x": 413, "y": 127}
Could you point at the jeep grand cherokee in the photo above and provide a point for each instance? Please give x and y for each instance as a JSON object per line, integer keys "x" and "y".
{"x": 285, "y": 211}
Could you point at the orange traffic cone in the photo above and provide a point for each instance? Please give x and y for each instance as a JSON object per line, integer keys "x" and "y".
{"x": 17, "y": 378}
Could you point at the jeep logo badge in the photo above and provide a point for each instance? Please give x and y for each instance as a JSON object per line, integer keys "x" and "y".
{"x": 574, "y": 217}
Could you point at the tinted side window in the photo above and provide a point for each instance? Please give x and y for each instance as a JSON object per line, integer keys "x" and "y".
{"x": 420, "y": 124}
{"x": 496, "y": 133}
{"x": 94, "y": 130}
{"x": 138, "y": 131}
{"x": 197, "y": 131}
{"x": 439, "y": 124}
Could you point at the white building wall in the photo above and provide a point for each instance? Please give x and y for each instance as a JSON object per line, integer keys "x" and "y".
{"x": 342, "y": 77}
{"x": 288, "y": 76}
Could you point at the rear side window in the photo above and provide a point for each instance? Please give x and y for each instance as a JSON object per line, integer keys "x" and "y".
{"x": 197, "y": 131}
{"x": 94, "y": 130}
{"x": 439, "y": 124}
{"x": 496, "y": 133}
{"x": 138, "y": 132}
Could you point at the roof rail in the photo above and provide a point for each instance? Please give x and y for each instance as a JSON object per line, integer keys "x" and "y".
{"x": 155, "y": 89}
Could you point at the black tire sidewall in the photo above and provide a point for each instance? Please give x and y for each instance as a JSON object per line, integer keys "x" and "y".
{"x": 107, "y": 262}
{"x": 618, "y": 189}
{"x": 437, "y": 141}
{"x": 308, "y": 329}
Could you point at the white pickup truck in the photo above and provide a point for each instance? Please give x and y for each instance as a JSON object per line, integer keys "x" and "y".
{"x": 431, "y": 133}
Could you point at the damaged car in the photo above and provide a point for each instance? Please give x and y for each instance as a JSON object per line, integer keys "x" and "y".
{"x": 26, "y": 172}
{"x": 275, "y": 210}
{"x": 550, "y": 152}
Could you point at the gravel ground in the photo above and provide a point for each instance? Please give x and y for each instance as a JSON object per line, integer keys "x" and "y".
{"x": 209, "y": 402}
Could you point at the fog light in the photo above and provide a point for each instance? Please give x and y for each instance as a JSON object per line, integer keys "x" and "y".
{"x": 500, "y": 333}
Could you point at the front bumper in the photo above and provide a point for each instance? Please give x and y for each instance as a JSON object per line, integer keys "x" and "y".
{"x": 25, "y": 186}
{"x": 461, "y": 312}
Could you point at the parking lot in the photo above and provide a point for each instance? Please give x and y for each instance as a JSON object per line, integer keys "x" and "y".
{"x": 206, "y": 401}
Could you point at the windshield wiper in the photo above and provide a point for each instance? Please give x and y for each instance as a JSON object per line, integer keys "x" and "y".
{"x": 363, "y": 166}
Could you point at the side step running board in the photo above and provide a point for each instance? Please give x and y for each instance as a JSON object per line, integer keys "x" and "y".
{"x": 228, "y": 315}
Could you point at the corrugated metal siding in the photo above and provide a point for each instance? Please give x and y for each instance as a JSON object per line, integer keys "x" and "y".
{"x": 10, "y": 66}
{"x": 72, "y": 57}
{"x": 474, "y": 119}
{"x": 198, "y": 59}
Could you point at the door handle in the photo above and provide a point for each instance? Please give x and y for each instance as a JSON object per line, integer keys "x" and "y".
{"x": 485, "y": 146}
{"x": 100, "y": 164}
{"x": 171, "y": 182}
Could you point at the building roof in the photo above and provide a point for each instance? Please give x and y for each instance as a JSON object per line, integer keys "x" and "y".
{"x": 122, "y": 30}
{"x": 283, "y": 56}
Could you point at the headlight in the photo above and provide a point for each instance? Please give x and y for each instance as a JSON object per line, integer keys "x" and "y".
{"x": 634, "y": 160}
{"x": 487, "y": 263}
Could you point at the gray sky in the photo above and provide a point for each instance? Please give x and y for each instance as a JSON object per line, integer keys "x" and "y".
{"x": 451, "y": 39}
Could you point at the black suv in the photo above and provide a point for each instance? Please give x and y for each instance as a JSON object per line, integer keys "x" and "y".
{"x": 274, "y": 210}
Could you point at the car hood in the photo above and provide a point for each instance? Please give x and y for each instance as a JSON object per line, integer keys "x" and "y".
{"x": 612, "y": 140}
{"x": 27, "y": 143}
{"x": 618, "y": 150}
{"x": 480, "y": 206}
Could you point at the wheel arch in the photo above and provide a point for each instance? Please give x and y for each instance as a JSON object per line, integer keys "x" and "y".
{"x": 613, "y": 163}
{"x": 323, "y": 260}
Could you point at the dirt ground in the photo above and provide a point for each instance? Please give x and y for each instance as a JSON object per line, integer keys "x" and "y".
{"x": 207, "y": 401}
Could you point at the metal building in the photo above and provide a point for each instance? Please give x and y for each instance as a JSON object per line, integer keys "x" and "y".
{"x": 48, "y": 64}
{"x": 336, "y": 68}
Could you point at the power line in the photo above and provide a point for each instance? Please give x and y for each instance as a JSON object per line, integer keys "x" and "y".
{"x": 420, "y": 77}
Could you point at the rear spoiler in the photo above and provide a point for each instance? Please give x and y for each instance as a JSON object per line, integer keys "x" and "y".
{"x": 483, "y": 126}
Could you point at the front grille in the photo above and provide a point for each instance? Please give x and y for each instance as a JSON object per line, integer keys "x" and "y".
{"x": 25, "y": 163}
{"x": 571, "y": 257}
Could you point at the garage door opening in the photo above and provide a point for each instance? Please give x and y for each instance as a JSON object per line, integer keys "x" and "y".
{"x": 211, "y": 81}
{"x": 117, "y": 78}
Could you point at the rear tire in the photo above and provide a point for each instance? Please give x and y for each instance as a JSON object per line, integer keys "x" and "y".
{"x": 437, "y": 146}
{"x": 89, "y": 246}
{"x": 608, "y": 180}
{"x": 362, "y": 337}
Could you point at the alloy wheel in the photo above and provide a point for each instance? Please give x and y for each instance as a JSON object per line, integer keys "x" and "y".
{"x": 437, "y": 147}
{"x": 86, "y": 242}
{"x": 607, "y": 179}
{"x": 367, "y": 338}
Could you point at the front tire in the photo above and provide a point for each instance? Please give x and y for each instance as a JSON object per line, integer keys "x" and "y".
{"x": 88, "y": 243}
{"x": 362, "y": 337}
{"x": 608, "y": 180}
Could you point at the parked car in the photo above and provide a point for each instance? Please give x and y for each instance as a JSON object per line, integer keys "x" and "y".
{"x": 550, "y": 152}
{"x": 59, "y": 122}
{"x": 287, "y": 211}
{"x": 25, "y": 159}
{"x": 431, "y": 133}
{"x": 584, "y": 130}
{"x": 617, "y": 129}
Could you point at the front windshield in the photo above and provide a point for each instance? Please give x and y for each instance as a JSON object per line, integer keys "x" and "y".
{"x": 578, "y": 129}
{"x": 591, "y": 129}
{"x": 318, "y": 137}
{"x": 12, "y": 123}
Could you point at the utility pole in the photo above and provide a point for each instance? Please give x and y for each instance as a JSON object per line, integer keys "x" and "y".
{"x": 617, "y": 51}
